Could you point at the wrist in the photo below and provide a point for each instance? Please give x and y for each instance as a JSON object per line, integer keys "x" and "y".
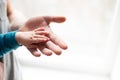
{"x": 18, "y": 38}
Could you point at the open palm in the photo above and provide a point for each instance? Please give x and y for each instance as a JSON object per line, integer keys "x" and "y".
{"x": 55, "y": 44}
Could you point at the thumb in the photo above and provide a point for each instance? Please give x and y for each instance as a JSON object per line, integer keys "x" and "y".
{"x": 57, "y": 19}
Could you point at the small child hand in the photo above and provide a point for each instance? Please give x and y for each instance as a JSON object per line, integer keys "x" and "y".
{"x": 30, "y": 38}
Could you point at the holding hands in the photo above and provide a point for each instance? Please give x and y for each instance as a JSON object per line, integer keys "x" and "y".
{"x": 30, "y": 38}
{"x": 54, "y": 44}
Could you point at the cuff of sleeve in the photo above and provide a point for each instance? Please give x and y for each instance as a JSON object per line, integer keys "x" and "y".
{"x": 11, "y": 40}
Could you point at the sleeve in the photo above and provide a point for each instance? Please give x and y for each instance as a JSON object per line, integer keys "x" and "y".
{"x": 7, "y": 42}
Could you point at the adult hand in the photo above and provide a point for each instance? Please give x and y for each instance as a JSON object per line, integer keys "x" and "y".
{"x": 55, "y": 44}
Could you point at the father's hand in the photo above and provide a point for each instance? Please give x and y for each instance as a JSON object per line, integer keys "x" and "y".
{"x": 55, "y": 44}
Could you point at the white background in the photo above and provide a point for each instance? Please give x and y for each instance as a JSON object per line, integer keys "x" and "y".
{"x": 87, "y": 31}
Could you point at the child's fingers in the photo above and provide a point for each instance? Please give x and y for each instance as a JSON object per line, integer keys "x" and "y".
{"x": 38, "y": 39}
{"x": 42, "y": 33}
{"x": 40, "y": 36}
{"x": 40, "y": 29}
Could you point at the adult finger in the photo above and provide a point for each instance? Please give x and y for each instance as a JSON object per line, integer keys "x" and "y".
{"x": 39, "y": 29}
{"x": 57, "y": 19}
{"x": 45, "y": 50}
{"x": 34, "y": 52}
{"x": 58, "y": 41}
{"x": 56, "y": 49}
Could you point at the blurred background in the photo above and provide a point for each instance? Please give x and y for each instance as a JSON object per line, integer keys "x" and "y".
{"x": 91, "y": 32}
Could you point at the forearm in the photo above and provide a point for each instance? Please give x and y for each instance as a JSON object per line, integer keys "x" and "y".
{"x": 16, "y": 18}
{"x": 8, "y": 42}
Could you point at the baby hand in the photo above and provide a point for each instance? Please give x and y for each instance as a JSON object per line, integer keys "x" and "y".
{"x": 31, "y": 38}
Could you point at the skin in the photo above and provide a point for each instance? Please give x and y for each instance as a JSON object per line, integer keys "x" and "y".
{"x": 31, "y": 38}
{"x": 54, "y": 45}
